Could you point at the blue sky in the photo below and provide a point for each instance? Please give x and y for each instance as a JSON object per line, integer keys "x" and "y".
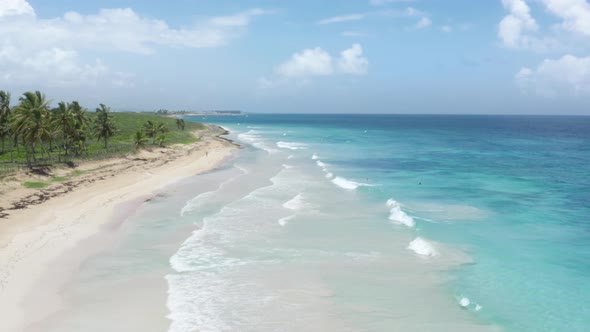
{"x": 331, "y": 56}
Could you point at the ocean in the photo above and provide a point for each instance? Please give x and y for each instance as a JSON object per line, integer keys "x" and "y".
{"x": 359, "y": 223}
{"x": 391, "y": 222}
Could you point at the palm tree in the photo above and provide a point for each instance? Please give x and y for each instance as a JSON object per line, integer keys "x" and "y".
{"x": 151, "y": 130}
{"x": 139, "y": 140}
{"x": 161, "y": 128}
{"x": 4, "y": 115}
{"x": 80, "y": 116}
{"x": 81, "y": 125}
{"x": 104, "y": 125}
{"x": 180, "y": 123}
{"x": 64, "y": 123}
{"x": 31, "y": 120}
{"x": 161, "y": 139}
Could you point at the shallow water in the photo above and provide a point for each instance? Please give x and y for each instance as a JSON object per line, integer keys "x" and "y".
{"x": 282, "y": 247}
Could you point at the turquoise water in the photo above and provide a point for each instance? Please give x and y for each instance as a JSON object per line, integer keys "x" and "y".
{"x": 489, "y": 213}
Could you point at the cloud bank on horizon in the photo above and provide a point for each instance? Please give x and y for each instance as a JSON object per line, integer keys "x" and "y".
{"x": 423, "y": 56}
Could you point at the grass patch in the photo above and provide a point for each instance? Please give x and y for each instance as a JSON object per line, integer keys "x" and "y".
{"x": 58, "y": 179}
{"x": 77, "y": 173}
{"x": 36, "y": 185}
{"x": 129, "y": 123}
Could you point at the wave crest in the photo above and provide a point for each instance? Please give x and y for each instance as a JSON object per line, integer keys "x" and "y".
{"x": 345, "y": 183}
{"x": 397, "y": 215}
{"x": 422, "y": 247}
{"x": 291, "y": 145}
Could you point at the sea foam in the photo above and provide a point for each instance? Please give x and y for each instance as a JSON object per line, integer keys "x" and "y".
{"x": 345, "y": 183}
{"x": 396, "y": 214}
{"x": 296, "y": 203}
{"x": 422, "y": 247}
{"x": 202, "y": 198}
{"x": 284, "y": 221}
{"x": 292, "y": 145}
{"x": 253, "y": 137}
{"x": 192, "y": 204}
{"x": 250, "y": 135}
{"x": 323, "y": 166}
{"x": 464, "y": 302}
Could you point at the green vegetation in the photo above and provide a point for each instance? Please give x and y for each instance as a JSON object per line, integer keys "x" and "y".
{"x": 34, "y": 134}
{"x": 58, "y": 179}
{"x": 36, "y": 185}
{"x": 139, "y": 139}
{"x": 129, "y": 123}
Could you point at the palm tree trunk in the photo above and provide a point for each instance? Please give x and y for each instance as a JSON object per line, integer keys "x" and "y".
{"x": 65, "y": 144}
{"x": 11, "y": 150}
{"x": 44, "y": 152}
{"x": 34, "y": 153}
{"x": 27, "y": 156}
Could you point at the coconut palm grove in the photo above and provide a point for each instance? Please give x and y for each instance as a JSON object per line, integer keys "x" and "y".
{"x": 35, "y": 133}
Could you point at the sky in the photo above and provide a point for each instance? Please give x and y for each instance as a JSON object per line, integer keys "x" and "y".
{"x": 305, "y": 56}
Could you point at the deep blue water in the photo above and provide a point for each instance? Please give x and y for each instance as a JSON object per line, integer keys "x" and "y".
{"x": 512, "y": 192}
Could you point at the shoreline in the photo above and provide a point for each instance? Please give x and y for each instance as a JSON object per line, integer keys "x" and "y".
{"x": 35, "y": 236}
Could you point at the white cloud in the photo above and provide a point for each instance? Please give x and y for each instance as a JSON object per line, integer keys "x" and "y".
{"x": 407, "y": 12}
{"x": 424, "y": 22}
{"x": 411, "y": 11}
{"x": 32, "y": 48}
{"x": 343, "y": 18}
{"x": 238, "y": 20}
{"x": 519, "y": 30}
{"x": 310, "y": 62}
{"x": 15, "y": 8}
{"x": 446, "y": 28}
{"x": 352, "y": 61}
{"x": 54, "y": 67}
{"x": 574, "y": 13}
{"x": 566, "y": 75}
{"x": 123, "y": 30}
{"x": 423, "y": 19}
{"x": 314, "y": 62}
{"x": 513, "y": 26}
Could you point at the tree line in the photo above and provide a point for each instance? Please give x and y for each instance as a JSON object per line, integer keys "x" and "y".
{"x": 33, "y": 127}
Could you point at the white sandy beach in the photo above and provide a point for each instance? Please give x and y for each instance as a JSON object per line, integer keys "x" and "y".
{"x": 36, "y": 256}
